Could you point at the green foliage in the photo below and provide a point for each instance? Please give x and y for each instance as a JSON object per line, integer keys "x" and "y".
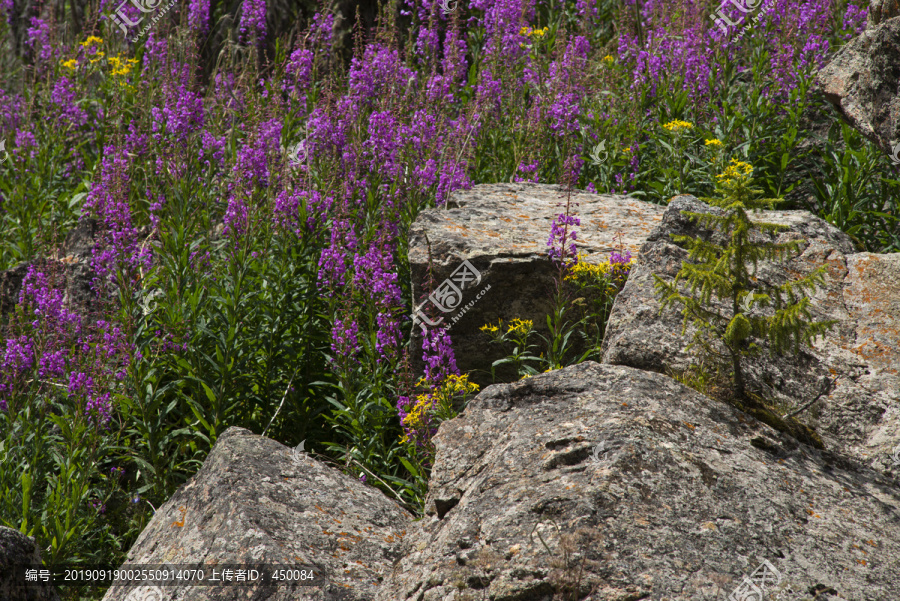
{"x": 727, "y": 271}
{"x": 851, "y": 192}
{"x": 596, "y": 287}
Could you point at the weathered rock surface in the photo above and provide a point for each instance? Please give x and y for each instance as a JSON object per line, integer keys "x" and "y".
{"x": 863, "y": 79}
{"x": 861, "y": 416}
{"x": 502, "y": 230}
{"x": 18, "y": 552}
{"x": 71, "y": 266}
{"x": 635, "y": 487}
{"x": 254, "y": 503}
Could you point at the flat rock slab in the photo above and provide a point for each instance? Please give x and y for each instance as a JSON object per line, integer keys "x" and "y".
{"x": 861, "y": 416}
{"x": 602, "y": 482}
{"x": 502, "y": 231}
{"x": 254, "y": 501}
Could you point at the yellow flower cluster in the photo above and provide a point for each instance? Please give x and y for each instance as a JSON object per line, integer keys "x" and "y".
{"x": 586, "y": 271}
{"x": 415, "y": 419}
{"x": 452, "y": 385}
{"x": 520, "y": 326}
{"x": 614, "y": 274}
{"x": 91, "y": 41}
{"x": 534, "y": 33}
{"x": 713, "y": 142}
{"x": 677, "y": 125}
{"x": 737, "y": 170}
{"x": 121, "y": 66}
{"x": 70, "y": 64}
{"x": 608, "y": 59}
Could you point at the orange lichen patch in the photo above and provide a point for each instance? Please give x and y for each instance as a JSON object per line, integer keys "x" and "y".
{"x": 861, "y": 561}
{"x": 180, "y": 524}
{"x": 872, "y": 349}
{"x": 871, "y": 542}
{"x": 691, "y": 426}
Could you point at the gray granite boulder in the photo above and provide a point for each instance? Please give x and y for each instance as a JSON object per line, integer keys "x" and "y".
{"x": 18, "y": 553}
{"x": 863, "y": 79}
{"x": 502, "y": 231}
{"x": 861, "y": 415}
{"x": 602, "y": 482}
{"x": 256, "y": 502}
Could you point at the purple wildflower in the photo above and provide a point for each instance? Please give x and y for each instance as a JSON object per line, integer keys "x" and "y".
{"x": 560, "y": 235}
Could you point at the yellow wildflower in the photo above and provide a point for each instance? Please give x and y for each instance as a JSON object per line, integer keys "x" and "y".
{"x": 99, "y": 56}
{"x": 713, "y": 142}
{"x": 91, "y": 41}
{"x": 677, "y": 125}
{"x": 528, "y": 31}
{"x": 608, "y": 59}
{"x": 737, "y": 170}
{"x": 458, "y": 385}
{"x": 120, "y": 66}
{"x": 488, "y": 328}
{"x": 586, "y": 271}
{"x": 70, "y": 64}
{"x": 628, "y": 149}
{"x": 520, "y": 326}
{"x": 415, "y": 419}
